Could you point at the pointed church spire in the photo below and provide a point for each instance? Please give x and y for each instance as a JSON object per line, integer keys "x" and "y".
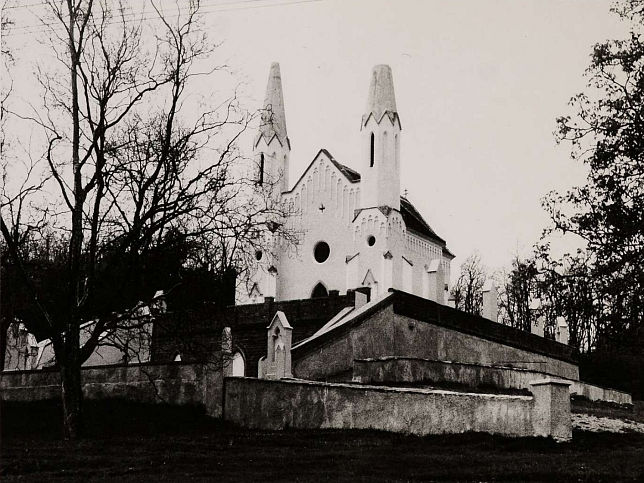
{"x": 381, "y": 98}
{"x": 273, "y": 119}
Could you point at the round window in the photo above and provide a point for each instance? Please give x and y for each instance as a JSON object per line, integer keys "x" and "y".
{"x": 321, "y": 252}
{"x": 258, "y": 255}
{"x": 371, "y": 240}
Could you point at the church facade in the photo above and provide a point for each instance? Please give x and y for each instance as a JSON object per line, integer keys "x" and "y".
{"x": 353, "y": 227}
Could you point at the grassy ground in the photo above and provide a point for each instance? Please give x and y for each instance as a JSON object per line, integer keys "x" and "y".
{"x": 141, "y": 443}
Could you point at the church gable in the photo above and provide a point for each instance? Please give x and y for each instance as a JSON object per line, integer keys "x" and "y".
{"x": 326, "y": 185}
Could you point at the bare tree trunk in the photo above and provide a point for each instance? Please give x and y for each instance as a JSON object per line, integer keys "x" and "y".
{"x": 72, "y": 397}
{"x": 70, "y": 368}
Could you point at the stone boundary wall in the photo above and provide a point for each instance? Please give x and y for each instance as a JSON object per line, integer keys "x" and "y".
{"x": 271, "y": 404}
{"x": 598, "y": 393}
{"x": 391, "y": 370}
{"x": 177, "y": 383}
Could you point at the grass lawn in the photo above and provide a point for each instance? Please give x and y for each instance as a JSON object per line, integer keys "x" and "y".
{"x": 128, "y": 442}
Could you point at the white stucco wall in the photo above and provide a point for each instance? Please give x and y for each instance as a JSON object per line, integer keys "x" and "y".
{"x": 325, "y": 203}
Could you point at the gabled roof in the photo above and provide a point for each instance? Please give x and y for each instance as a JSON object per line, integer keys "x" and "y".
{"x": 351, "y": 175}
{"x": 416, "y": 223}
{"x": 412, "y": 218}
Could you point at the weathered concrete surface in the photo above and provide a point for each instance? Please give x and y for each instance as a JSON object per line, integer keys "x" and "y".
{"x": 428, "y": 341}
{"x": 334, "y": 359}
{"x": 597, "y": 393}
{"x": 258, "y": 403}
{"x": 389, "y": 370}
{"x": 387, "y": 334}
{"x": 551, "y": 411}
{"x": 181, "y": 384}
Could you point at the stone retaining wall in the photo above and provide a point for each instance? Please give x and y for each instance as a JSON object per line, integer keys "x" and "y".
{"x": 269, "y": 404}
{"x": 177, "y": 383}
{"x": 391, "y": 370}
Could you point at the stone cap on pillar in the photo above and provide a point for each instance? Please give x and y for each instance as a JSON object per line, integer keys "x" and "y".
{"x": 280, "y": 318}
{"x": 550, "y": 380}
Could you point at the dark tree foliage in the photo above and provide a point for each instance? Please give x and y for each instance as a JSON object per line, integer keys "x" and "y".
{"x": 607, "y": 135}
{"x": 601, "y": 289}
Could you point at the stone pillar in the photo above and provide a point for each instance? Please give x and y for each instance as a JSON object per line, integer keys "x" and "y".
{"x": 539, "y": 321}
{"x": 490, "y": 308}
{"x": 551, "y": 409}
{"x": 563, "y": 333}
{"x": 362, "y": 296}
{"x": 271, "y": 283}
{"x": 537, "y": 327}
{"x": 436, "y": 281}
{"x": 227, "y": 351}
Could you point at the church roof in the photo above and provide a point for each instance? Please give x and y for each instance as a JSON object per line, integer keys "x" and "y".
{"x": 273, "y": 118}
{"x": 350, "y": 174}
{"x": 415, "y": 222}
{"x": 381, "y": 99}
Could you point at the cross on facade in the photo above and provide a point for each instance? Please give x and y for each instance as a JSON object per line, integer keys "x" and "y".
{"x": 322, "y": 207}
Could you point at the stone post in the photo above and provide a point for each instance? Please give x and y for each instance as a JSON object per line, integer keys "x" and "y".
{"x": 563, "y": 333}
{"x": 551, "y": 409}
{"x": 436, "y": 281}
{"x": 539, "y": 321}
{"x": 538, "y": 326}
{"x": 490, "y": 308}
{"x": 362, "y": 296}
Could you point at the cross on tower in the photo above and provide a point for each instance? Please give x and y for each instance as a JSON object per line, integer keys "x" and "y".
{"x": 322, "y": 207}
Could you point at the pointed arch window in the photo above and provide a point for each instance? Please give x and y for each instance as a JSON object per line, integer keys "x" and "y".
{"x": 319, "y": 291}
{"x": 260, "y": 178}
{"x": 372, "y": 150}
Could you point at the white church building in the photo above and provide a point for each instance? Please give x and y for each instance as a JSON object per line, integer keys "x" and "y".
{"x": 354, "y": 229}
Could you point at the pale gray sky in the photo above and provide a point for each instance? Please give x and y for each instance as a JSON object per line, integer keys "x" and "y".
{"x": 478, "y": 87}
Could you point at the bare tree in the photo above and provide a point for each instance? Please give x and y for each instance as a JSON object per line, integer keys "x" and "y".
{"x": 136, "y": 169}
{"x": 467, "y": 292}
{"x": 517, "y": 289}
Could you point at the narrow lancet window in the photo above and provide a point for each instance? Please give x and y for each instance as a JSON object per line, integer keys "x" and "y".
{"x": 260, "y": 179}
{"x": 373, "y": 147}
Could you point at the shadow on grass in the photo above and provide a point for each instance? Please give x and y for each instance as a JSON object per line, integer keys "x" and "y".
{"x": 141, "y": 441}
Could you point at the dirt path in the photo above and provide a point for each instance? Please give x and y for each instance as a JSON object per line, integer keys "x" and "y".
{"x": 587, "y": 422}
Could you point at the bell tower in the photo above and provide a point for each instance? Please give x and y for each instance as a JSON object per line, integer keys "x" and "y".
{"x": 380, "y": 136}
{"x": 272, "y": 147}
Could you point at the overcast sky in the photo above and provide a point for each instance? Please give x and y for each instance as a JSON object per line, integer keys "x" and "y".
{"x": 478, "y": 83}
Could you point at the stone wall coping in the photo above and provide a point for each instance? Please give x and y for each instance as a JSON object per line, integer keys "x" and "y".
{"x": 363, "y": 387}
{"x": 550, "y": 380}
{"x": 431, "y": 312}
